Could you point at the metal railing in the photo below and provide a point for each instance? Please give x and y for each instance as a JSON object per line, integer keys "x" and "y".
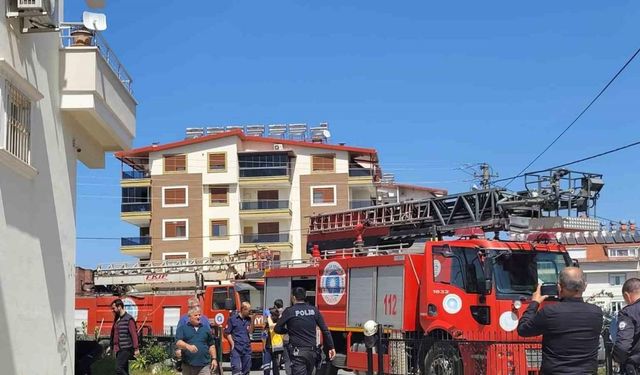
{"x": 271, "y": 171}
{"x": 18, "y": 133}
{"x": 264, "y": 205}
{"x": 95, "y": 40}
{"x": 135, "y": 174}
{"x": 136, "y": 207}
{"x": 360, "y": 203}
{"x": 135, "y": 241}
{"x": 265, "y": 238}
{"x": 361, "y": 172}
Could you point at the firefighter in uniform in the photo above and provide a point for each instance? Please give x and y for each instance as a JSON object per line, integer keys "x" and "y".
{"x": 626, "y": 349}
{"x": 300, "y": 322}
{"x": 237, "y": 331}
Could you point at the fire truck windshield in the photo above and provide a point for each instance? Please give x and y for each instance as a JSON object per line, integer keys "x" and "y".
{"x": 518, "y": 273}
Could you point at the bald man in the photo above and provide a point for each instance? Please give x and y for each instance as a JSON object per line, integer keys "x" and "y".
{"x": 570, "y": 329}
{"x": 238, "y": 333}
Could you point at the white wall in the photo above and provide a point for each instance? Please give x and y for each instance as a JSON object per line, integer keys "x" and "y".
{"x": 37, "y": 222}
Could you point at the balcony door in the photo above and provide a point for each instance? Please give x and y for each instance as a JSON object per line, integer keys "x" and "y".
{"x": 268, "y": 199}
{"x": 269, "y": 232}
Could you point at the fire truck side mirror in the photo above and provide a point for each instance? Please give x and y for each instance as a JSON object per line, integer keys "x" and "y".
{"x": 575, "y": 263}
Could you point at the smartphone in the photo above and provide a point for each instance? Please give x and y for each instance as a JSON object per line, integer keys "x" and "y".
{"x": 549, "y": 289}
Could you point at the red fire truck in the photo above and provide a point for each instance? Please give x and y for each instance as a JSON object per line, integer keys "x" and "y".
{"x": 156, "y": 295}
{"x": 452, "y": 305}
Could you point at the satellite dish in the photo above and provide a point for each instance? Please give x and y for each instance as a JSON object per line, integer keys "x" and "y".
{"x": 326, "y": 134}
{"x": 94, "y": 21}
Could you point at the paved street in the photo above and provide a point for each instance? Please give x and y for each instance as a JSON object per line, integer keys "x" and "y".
{"x": 227, "y": 370}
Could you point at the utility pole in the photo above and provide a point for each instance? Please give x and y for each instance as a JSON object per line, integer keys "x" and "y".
{"x": 485, "y": 176}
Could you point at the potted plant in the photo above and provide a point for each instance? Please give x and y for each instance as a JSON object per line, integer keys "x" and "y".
{"x": 81, "y": 36}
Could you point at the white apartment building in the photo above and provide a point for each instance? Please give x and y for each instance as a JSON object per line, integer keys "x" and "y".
{"x": 228, "y": 191}
{"x": 59, "y": 103}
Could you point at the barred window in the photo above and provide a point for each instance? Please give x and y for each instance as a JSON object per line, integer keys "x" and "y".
{"x": 18, "y": 134}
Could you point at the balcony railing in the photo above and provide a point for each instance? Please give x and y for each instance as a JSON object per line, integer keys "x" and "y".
{"x": 265, "y": 238}
{"x": 135, "y": 175}
{"x": 360, "y": 203}
{"x": 264, "y": 205}
{"x": 135, "y": 241}
{"x": 94, "y": 39}
{"x": 361, "y": 172}
{"x": 264, "y": 172}
{"x": 136, "y": 207}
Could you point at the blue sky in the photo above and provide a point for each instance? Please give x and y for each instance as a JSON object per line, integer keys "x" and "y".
{"x": 430, "y": 85}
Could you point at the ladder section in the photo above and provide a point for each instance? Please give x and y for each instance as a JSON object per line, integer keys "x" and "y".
{"x": 192, "y": 271}
{"x": 476, "y": 208}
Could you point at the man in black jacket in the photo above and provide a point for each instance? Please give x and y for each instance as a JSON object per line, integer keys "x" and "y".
{"x": 626, "y": 350}
{"x": 300, "y": 322}
{"x": 570, "y": 329}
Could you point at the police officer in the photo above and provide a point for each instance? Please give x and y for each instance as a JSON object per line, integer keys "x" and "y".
{"x": 237, "y": 332}
{"x": 626, "y": 350}
{"x": 300, "y": 322}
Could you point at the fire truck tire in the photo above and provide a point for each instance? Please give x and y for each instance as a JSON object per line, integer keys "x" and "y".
{"x": 442, "y": 359}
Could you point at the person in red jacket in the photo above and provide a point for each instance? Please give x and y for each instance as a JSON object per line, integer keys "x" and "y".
{"x": 124, "y": 337}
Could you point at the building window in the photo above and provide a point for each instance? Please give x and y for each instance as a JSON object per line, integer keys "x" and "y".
{"x": 323, "y": 163}
{"x": 18, "y": 130}
{"x": 219, "y": 229}
{"x": 218, "y": 162}
{"x": 175, "y": 196}
{"x": 623, "y": 252}
{"x": 218, "y": 196}
{"x": 323, "y": 196}
{"x": 577, "y": 253}
{"x": 617, "y": 278}
{"x": 175, "y": 163}
{"x": 176, "y": 229}
{"x": 175, "y": 256}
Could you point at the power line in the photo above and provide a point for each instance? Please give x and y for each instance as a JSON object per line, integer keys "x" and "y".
{"x": 572, "y": 162}
{"x": 579, "y": 115}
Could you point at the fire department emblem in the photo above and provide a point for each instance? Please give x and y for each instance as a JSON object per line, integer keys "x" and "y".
{"x": 332, "y": 283}
{"x": 219, "y": 319}
{"x": 130, "y": 307}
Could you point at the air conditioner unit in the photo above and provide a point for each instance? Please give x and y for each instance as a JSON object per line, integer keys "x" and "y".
{"x": 36, "y": 15}
{"x": 31, "y": 5}
{"x": 278, "y": 146}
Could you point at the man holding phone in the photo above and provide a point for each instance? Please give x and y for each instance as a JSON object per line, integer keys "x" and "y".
{"x": 570, "y": 329}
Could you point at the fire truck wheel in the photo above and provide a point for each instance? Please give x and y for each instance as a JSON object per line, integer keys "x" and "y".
{"x": 442, "y": 359}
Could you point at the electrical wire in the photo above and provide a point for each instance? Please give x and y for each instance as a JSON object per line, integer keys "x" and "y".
{"x": 572, "y": 162}
{"x": 578, "y": 117}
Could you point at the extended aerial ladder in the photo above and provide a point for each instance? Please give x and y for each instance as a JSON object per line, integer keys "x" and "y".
{"x": 548, "y": 195}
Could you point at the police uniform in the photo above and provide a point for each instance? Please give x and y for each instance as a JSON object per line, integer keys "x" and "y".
{"x": 626, "y": 350}
{"x": 300, "y": 322}
{"x": 239, "y": 327}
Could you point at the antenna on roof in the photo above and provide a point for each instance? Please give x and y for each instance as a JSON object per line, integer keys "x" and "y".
{"x": 94, "y": 21}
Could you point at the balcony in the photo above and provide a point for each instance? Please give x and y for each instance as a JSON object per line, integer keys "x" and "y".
{"x": 265, "y": 208}
{"x": 135, "y": 178}
{"x": 361, "y": 175}
{"x": 354, "y": 204}
{"x": 138, "y": 213}
{"x": 136, "y": 246}
{"x": 259, "y": 168}
{"x": 96, "y": 98}
{"x": 276, "y": 241}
